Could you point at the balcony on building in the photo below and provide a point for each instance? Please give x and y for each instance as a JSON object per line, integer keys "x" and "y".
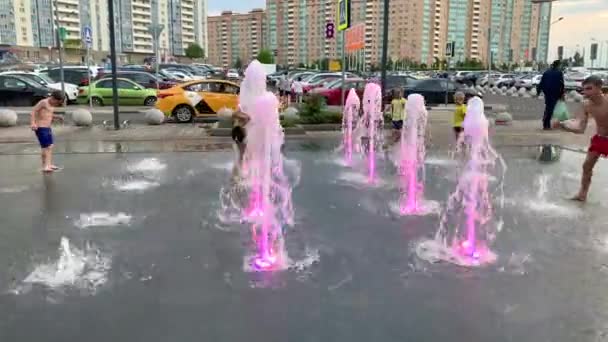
{"x": 68, "y": 2}
{"x": 140, "y": 3}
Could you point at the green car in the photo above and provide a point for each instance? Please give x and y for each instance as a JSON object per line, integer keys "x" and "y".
{"x": 129, "y": 93}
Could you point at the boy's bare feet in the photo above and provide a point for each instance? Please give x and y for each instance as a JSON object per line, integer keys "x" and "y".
{"x": 48, "y": 170}
{"x": 579, "y": 198}
{"x": 54, "y": 167}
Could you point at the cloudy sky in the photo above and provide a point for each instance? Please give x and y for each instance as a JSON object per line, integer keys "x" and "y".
{"x": 583, "y": 20}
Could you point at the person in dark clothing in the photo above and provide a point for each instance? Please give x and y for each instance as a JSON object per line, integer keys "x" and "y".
{"x": 552, "y": 85}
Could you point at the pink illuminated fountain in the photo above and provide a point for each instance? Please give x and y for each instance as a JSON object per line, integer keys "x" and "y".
{"x": 271, "y": 193}
{"x": 469, "y": 224}
{"x": 374, "y": 122}
{"x": 349, "y": 120}
{"x": 409, "y": 160}
{"x": 266, "y": 187}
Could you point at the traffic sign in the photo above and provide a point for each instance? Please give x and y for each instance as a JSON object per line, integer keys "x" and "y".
{"x": 343, "y": 14}
{"x": 63, "y": 33}
{"x": 593, "y": 56}
{"x": 449, "y": 49}
{"x": 87, "y": 36}
{"x": 329, "y": 30}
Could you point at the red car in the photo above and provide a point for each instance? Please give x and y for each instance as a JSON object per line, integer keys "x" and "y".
{"x": 333, "y": 91}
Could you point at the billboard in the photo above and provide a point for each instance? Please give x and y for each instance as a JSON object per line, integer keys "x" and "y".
{"x": 355, "y": 38}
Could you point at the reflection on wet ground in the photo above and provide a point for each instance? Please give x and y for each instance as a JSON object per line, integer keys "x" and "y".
{"x": 128, "y": 247}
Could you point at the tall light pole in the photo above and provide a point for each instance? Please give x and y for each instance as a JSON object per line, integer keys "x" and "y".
{"x": 155, "y": 30}
{"x": 385, "y": 44}
{"x": 113, "y": 61}
{"x": 59, "y": 37}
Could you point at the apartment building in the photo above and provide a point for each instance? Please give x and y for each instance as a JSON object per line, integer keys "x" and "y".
{"x": 31, "y": 23}
{"x": 419, "y": 30}
{"x": 234, "y": 36}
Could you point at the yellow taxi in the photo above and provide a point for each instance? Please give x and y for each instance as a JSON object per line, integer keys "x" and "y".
{"x": 188, "y": 100}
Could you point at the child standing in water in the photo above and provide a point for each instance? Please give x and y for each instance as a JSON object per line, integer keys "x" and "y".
{"x": 459, "y": 114}
{"x": 41, "y": 119}
{"x": 398, "y": 114}
{"x": 239, "y": 134}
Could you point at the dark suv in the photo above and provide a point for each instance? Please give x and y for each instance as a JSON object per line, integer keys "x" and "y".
{"x": 77, "y": 76}
{"x": 144, "y": 79}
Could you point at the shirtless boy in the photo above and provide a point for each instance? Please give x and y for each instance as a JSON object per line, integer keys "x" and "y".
{"x": 239, "y": 135}
{"x": 41, "y": 118}
{"x": 597, "y": 108}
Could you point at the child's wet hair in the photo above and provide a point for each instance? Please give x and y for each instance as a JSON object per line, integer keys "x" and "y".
{"x": 58, "y": 95}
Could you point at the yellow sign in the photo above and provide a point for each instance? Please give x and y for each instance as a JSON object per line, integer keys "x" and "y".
{"x": 334, "y": 65}
{"x": 343, "y": 14}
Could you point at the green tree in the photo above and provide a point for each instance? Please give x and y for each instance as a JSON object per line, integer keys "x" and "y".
{"x": 324, "y": 64}
{"x": 195, "y": 51}
{"x": 301, "y": 65}
{"x": 423, "y": 66}
{"x": 238, "y": 63}
{"x": 265, "y": 57}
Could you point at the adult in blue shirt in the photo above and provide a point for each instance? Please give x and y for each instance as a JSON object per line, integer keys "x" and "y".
{"x": 552, "y": 85}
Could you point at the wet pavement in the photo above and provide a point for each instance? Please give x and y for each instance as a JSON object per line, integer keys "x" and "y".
{"x": 155, "y": 263}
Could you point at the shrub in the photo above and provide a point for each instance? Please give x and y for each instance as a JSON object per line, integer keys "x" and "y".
{"x": 312, "y": 105}
{"x": 289, "y": 122}
{"x": 322, "y": 118}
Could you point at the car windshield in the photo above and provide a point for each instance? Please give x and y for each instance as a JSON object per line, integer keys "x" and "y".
{"x": 45, "y": 78}
{"x": 29, "y": 81}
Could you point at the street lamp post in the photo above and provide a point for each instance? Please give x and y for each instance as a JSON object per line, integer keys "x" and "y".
{"x": 113, "y": 61}
{"x": 385, "y": 44}
{"x": 155, "y": 30}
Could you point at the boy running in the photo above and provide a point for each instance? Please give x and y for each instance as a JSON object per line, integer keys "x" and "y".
{"x": 41, "y": 119}
{"x": 597, "y": 108}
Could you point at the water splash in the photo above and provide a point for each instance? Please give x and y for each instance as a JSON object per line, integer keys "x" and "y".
{"x": 13, "y": 189}
{"x": 544, "y": 205}
{"x": 100, "y": 219}
{"x": 373, "y": 121}
{"x": 270, "y": 199}
{"x": 82, "y": 269}
{"x": 147, "y": 165}
{"x": 252, "y": 87}
{"x": 468, "y": 226}
{"x": 349, "y": 120}
{"x": 261, "y": 195}
{"x": 135, "y": 185}
{"x": 410, "y": 159}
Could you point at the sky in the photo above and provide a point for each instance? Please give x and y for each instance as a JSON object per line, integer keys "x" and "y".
{"x": 583, "y": 20}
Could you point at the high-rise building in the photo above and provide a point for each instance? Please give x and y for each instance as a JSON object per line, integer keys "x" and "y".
{"x": 32, "y": 23}
{"x": 419, "y": 30}
{"x": 234, "y": 36}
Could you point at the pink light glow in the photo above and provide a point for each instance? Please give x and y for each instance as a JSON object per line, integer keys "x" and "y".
{"x": 265, "y": 262}
{"x": 351, "y": 109}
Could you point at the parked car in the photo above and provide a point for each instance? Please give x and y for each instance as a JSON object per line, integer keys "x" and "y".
{"x": 74, "y": 75}
{"x": 502, "y": 80}
{"x": 333, "y": 94}
{"x": 318, "y": 80}
{"x": 129, "y": 93}
{"x": 17, "y": 90}
{"x": 198, "y": 98}
{"x": 71, "y": 90}
{"x": 232, "y": 74}
{"x": 144, "y": 79}
{"x": 526, "y": 81}
{"x": 434, "y": 90}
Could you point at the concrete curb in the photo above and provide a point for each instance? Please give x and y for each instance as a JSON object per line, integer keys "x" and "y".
{"x": 227, "y": 132}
